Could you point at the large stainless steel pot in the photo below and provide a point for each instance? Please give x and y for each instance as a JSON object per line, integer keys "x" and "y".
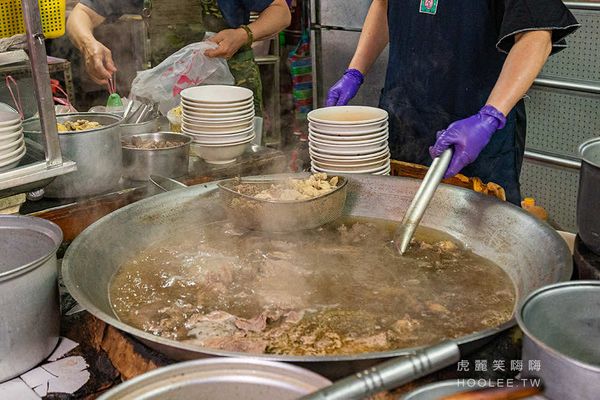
{"x": 529, "y": 250}
{"x": 97, "y": 153}
{"x": 561, "y": 324}
{"x": 29, "y": 311}
{"x": 220, "y": 379}
{"x": 588, "y": 218}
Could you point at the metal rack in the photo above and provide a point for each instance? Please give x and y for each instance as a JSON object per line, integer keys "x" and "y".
{"x": 39, "y": 168}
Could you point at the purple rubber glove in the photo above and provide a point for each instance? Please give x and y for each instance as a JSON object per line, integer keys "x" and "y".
{"x": 345, "y": 89}
{"x": 468, "y": 137}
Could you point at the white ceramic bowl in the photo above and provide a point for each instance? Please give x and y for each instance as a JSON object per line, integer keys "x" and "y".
{"x": 8, "y": 119}
{"x": 347, "y": 138}
{"x": 202, "y": 119}
{"x": 352, "y": 166}
{"x": 215, "y": 122}
{"x": 374, "y": 170}
{"x": 335, "y": 157}
{"x": 347, "y": 115}
{"x": 210, "y": 107}
{"x": 220, "y": 154}
{"x": 208, "y": 115}
{"x": 11, "y": 146}
{"x": 216, "y": 94}
{"x": 14, "y": 154}
{"x": 220, "y": 110}
{"x": 347, "y": 143}
{"x": 10, "y": 129}
{"x": 335, "y": 130}
{"x": 222, "y": 139}
{"x": 6, "y": 139}
{"x": 192, "y": 129}
{"x": 357, "y": 150}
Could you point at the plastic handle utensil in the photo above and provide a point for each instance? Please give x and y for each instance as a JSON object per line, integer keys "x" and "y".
{"x": 422, "y": 198}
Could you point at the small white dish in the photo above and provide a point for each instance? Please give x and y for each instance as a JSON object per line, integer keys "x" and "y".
{"x": 13, "y": 154}
{"x": 11, "y": 146}
{"x": 218, "y": 94}
{"x": 351, "y": 167}
{"x": 220, "y": 154}
{"x": 347, "y": 144}
{"x": 212, "y": 109}
{"x": 343, "y": 131}
{"x": 8, "y": 130}
{"x": 347, "y": 115}
{"x": 208, "y": 115}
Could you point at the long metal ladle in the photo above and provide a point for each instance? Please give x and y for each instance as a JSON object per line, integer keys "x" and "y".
{"x": 419, "y": 204}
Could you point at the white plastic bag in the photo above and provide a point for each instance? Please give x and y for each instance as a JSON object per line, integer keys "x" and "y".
{"x": 186, "y": 68}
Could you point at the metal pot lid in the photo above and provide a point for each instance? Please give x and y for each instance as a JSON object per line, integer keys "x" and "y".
{"x": 590, "y": 152}
{"x": 565, "y": 319}
{"x": 220, "y": 379}
{"x": 26, "y": 242}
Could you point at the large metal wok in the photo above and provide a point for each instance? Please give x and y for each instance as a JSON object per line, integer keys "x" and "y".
{"x": 529, "y": 250}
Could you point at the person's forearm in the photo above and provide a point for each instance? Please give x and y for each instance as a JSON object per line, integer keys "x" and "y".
{"x": 523, "y": 64}
{"x": 81, "y": 24}
{"x": 373, "y": 39}
{"x": 271, "y": 21}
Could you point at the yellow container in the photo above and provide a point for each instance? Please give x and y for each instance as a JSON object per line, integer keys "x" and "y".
{"x": 52, "y": 14}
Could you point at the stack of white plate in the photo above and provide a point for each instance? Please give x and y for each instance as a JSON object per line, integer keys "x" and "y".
{"x": 349, "y": 140}
{"x": 12, "y": 144}
{"x": 220, "y": 121}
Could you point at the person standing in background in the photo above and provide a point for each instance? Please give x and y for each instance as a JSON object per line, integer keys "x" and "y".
{"x": 230, "y": 19}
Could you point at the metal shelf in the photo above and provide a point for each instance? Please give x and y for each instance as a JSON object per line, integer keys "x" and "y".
{"x": 40, "y": 165}
{"x": 266, "y": 60}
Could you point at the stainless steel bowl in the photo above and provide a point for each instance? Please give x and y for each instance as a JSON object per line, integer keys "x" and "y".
{"x": 97, "y": 153}
{"x": 220, "y": 379}
{"x": 139, "y": 164}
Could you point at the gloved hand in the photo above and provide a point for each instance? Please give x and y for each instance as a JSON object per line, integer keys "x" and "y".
{"x": 345, "y": 89}
{"x": 468, "y": 137}
{"x": 98, "y": 61}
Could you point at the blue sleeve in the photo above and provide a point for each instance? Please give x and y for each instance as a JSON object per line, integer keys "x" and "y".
{"x": 257, "y": 5}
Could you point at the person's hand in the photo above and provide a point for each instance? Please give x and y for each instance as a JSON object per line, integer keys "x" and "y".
{"x": 468, "y": 137}
{"x": 98, "y": 62}
{"x": 229, "y": 41}
{"x": 345, "y": 89}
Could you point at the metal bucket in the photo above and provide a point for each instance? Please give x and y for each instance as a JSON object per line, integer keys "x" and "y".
{"x": 588, "y": 218}
{"x": 97, "y": 153}
{"x": 221, "y": 379}
{"x": 561, "y": 326}
{"x": 29, "y": 327}
{"x": 139, "y": 164}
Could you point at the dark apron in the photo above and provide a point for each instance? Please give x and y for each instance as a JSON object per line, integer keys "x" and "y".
{"x": 442, "y": 68}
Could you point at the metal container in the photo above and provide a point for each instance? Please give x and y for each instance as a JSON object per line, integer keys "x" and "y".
{"x": 527, "y": 249}
{"x": 439, "y": 390}
{"x": 139, "y": 164}
{"x": 29, "y": 326}
{"x": 149, "y": 126}
{"x": 588, "y": 218}
{"x": 97, "y": 153}
{"x": 281, "y": 216}
{"x": 220, "y": 379}
{"x": 561, "y": 326}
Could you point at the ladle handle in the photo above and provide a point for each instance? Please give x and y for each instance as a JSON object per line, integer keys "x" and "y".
{"x": 391, "y": 374}
{"x": 422, "y": 198}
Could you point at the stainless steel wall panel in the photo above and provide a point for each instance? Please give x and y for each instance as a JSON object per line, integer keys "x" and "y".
{"x": 581, "y": 59}
{"x": 555, "y": 189}
{"x": 559, "y": 120}
{"x": 336, "y": 52}
{"x": 342, "y": 13}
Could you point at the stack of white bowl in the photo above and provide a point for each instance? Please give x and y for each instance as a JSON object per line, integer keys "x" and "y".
{"x": 220, "y": 121}
{"x": 349, "y": 140}
{"x": 12, "y": 144}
